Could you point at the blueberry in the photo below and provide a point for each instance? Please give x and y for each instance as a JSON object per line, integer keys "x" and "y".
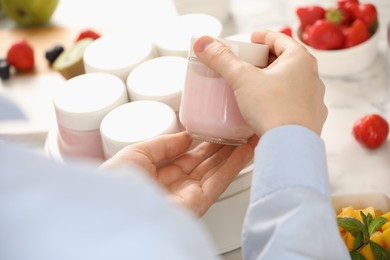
{"x": 52, "y": 54}
{"x": 4, "y": 69}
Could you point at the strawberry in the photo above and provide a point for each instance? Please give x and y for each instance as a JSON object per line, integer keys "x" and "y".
{"x": 88, "y": 33}
{"x": 346, "y": 2}
{"x": 350, "y": 7}
{"x": 309, "y": 14}
{"x": 371, "y": 130}
{"x": 286, "y": 30}
{"x": 21, "y": 55}
{"x": 339, "y": 15}
{"x": 355, "y": 34}
{"x": 368, "y": 14}
{"x": 324, "y": 35}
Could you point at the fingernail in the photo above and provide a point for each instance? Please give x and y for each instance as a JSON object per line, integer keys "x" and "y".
{"x": 202, "y": 43}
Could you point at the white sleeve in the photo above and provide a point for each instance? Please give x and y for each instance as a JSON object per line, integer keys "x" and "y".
{"x": 290, "y": 215}
{"x": 54, "y": 211}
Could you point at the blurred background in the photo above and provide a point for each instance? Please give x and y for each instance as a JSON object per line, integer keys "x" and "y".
{"x": 244, "y": 15}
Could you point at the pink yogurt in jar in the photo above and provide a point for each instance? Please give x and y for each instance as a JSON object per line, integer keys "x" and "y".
{"x": 76, "y": 143}
{"x": 80, "y": 106}
{"x": 209, "y": 111}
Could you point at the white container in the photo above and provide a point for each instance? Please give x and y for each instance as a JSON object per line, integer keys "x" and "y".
{"x": 220, "y": 9}
{"x": 135, "y": 122}
{"x": 160, "y": 79}
{"x": 80, "y": 106}
{"x": 378, "y": 200}
{"x": 343, "y": 62}
{"x": 52, "y": 147}
{"x": 209, "y": 111}
{"x": 173, "y": 37}
{"x": 117, "y": 53}
{"x": 239, "y": 37}
{"x": 225, "y": 218}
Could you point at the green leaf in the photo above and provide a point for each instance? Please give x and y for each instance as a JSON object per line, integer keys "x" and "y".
{"x": 334, "y": 15}
{"x": 356, "y": 256}
{"x": 369, "y": 219}
{"x": 370, "y": 216}
{"x": 352, "y": 226}
{"x": 376, "y": 224}
{"x": 358, "y": 241}
{"x": 379, "y": 252}
{"x": 364, "y": 218}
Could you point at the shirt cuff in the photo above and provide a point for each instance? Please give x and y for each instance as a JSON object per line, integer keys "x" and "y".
{"x": 289, "y": 156}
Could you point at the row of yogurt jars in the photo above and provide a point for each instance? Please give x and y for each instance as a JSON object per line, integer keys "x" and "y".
{"x": 131, "y": 90}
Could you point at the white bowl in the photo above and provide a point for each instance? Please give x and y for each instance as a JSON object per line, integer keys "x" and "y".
{"x": 343, "y": 62}
{"x": 379, "y": 200}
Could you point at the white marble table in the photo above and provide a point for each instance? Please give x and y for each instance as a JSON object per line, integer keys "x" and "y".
{"x": 352, "y": 168}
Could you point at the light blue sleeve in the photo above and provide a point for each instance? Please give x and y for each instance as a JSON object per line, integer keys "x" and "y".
{"x": 54, "y": 211}
{"x": 9, "y": 110}
{"x": 290, "y": 215}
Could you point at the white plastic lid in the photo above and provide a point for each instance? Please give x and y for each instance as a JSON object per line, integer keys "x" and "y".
{"x": 253, "y": 53}
{"x": 220, "y": 9}
{"x": 161, "y": 79}
{"x": 117, "y": 53}
{"x": 83, "y": 101}
{"x": 239, "y": 37}
{"x": 174, "y": 36}
{"x": 135, "y": 122}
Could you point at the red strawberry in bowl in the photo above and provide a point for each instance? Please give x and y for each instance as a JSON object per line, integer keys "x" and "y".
{"x": 344, "y": 41}
{"x": 368, "y": 14}
{"x": 339, "y": 15}
{"x": 344, "y": 2}
{"x": 355, "y": 34}
{"x": 308, "y": 15}
{"x": 324, "y": 35}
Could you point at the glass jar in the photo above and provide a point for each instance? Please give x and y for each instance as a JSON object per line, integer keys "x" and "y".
{"x": 80, "y": 106}
{"x": 209, "y": 111}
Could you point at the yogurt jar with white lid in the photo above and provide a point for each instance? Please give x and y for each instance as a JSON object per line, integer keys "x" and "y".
{"x": 80, "y": 106}
{"x": 118, "y": 53}
{"x": 208, "y": 110}
{"x": 173, "y": 36}
{"x": 160, "y": 79}
{"x": 220, "y": 9}
{"x": 135, "y": 122}
{"x": 243, "y": 37}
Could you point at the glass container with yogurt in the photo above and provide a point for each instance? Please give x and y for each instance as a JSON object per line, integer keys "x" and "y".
{"x": 209, "y": 111}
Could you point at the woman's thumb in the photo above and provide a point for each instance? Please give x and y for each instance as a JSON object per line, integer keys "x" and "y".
{"x": 218, "y": 57}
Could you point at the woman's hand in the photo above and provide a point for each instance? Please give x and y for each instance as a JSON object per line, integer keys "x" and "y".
{"x": 288, "y": 91}
{"x": 194, "y": 178}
